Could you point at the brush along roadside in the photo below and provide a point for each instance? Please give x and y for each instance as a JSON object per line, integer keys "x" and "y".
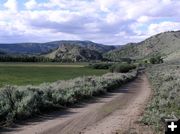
{"x": 21, "y": 102}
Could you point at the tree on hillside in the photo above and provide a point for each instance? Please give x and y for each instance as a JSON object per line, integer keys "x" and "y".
{"x": 156, "y": 60}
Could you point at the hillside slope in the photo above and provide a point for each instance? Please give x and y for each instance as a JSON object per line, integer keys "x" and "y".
{"x": 166, "y": 44}
{"x": 73, "y": 53}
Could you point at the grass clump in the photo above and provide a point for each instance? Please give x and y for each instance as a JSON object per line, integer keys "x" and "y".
{"x": 20, "y": 102}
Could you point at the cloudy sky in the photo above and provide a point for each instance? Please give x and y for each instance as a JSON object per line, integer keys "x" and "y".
{"x": 103, "y": 21}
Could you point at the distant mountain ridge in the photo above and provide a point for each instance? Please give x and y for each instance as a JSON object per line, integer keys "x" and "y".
{"x": 166, "y": 44}
{"x": 39, "y": 48}
{"x": 27, "y": 48}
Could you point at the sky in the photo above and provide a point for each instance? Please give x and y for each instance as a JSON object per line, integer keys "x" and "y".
{"x": 111, "y": 22}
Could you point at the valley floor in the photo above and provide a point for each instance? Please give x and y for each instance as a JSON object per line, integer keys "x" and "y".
{"x": 115, "y": 112}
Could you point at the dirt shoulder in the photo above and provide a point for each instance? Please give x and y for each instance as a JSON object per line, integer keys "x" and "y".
{"x": 112, "y": 113}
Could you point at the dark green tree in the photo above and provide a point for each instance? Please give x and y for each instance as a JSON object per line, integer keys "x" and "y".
{"x": 156, "y": 60}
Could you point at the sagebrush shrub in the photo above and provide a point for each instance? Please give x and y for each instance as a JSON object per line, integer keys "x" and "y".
{"x": 25, "y": 101}
{"x": 165, "y": 80}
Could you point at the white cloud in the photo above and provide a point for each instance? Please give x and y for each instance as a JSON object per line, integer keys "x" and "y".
{"x": 11, "y": 5}
{"x": 143, "y": 19}
{"x": 106, "y": 5}
{"x": 104, "y": 21}
{"x": 112, "y": 18}
{"x": 31, "y": 4}
{"x": 162, "y": 27}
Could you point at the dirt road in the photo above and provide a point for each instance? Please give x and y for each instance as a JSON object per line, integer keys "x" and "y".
{"x": 115, "y": 112}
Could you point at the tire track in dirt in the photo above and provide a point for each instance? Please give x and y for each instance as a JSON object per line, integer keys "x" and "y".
{"x": 124, "y": 120}
{"x": 115, "y": 112}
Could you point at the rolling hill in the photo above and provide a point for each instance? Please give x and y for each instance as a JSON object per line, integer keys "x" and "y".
{"x": 74, "y": 53}
{"x": 86, "y": 44}
{"x": 166, "y": 44}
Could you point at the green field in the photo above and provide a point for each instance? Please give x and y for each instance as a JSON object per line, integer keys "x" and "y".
{"x": 34, "y": 73}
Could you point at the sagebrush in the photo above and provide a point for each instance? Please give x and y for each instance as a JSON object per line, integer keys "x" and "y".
{"x": 165, "y": 80}
{"x": 25, "y": 101}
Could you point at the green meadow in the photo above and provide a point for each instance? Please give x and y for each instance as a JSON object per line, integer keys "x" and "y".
{"x": 36, "y": 73}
